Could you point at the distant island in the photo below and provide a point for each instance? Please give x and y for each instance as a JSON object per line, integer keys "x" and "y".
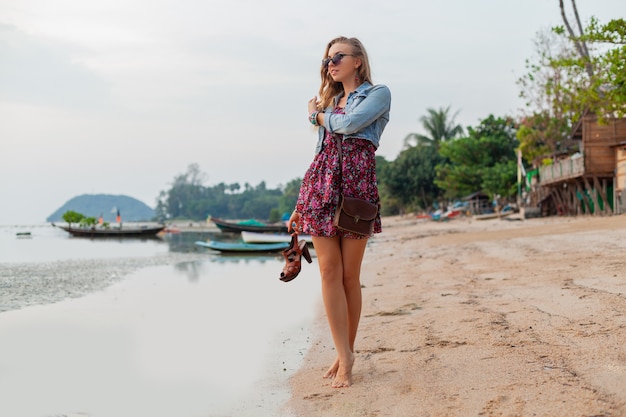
{"x": 107, "y": 206}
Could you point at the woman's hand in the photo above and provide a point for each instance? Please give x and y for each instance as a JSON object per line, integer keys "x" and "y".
{"x": 312, "y": 105}
{"x": 294, "y": 225}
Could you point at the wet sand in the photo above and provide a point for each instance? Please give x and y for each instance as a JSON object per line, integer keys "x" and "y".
{"x": 483, "y": 318}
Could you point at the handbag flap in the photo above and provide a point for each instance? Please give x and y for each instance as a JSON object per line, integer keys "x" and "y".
{"x": 358, "y": 208}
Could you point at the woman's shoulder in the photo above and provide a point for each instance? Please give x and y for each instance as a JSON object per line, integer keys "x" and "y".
{"x": 381, "y": 87}
{"x": 370, "y": 88}
{"x": 379, "y": 90}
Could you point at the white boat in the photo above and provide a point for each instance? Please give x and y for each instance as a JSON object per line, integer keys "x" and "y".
{"x": 255, "y": 237}
{"x": 488, "y": 216}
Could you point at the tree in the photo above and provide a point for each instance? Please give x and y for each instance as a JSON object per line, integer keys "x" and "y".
{"x": 88, "y": 221}
{"x": 540, "y": 135}
{"x": 500, "y": 179}
{"x": 485, "y": 160}
{"x": 605, "y": 94}
{"x": 586, "y": 65}
{"x": 71, "y": 216}
{"x": 160, "y": 212}
{"x": 234, "y": 187}
{"x": 548, "y": 90}
{"x": 290, "y": 196}
{"x": 409, "y": 179}
{"x": 440, "y": 127}
{"x": 193, "y": 176}
{"x": 577, "y": 39}
{"x": 389, "y": 204}
{"x": 543, "y": 84}
{"x": 578, "y": 71}
{"x": 186, "y": 189}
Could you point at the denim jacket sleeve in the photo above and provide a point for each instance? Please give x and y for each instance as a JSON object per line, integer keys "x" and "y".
{"x": 362, "y": 109}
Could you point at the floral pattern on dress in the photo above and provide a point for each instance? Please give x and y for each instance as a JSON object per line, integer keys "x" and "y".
{"x": 322, "y": 185}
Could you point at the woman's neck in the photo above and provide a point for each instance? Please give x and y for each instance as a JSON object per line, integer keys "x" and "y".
{"x": 349, "y": 86}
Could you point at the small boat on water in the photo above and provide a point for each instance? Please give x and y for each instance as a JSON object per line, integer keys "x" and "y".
{"x": 243, "y": 247}
{"x": 248, "y": 226}
{"x": 255, "y": 237}
{"x": 126, "y": 231}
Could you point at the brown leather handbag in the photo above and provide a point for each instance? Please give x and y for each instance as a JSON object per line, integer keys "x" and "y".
{"x": 354, "y": 214}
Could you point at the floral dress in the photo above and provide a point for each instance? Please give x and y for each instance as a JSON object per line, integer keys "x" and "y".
{"x": 322, "y": 184}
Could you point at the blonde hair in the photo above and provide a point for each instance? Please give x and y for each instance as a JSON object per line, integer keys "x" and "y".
{"x": 329, "y": 88}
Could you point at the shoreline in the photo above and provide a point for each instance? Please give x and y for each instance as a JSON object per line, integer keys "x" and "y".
{"x": 489, "y": 318}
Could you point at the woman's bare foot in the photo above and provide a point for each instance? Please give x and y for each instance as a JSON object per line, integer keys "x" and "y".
{"x": 331, "y": 373}
{"x": 343, "y": 378}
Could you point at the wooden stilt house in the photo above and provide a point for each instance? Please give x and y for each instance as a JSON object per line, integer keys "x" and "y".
{"x": 591, "y": 181}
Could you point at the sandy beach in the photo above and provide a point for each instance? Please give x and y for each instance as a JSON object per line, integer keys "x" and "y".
{"x": 483, "y": 318}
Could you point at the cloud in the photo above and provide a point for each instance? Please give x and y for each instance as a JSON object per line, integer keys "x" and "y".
{"x": 43, "y": 72}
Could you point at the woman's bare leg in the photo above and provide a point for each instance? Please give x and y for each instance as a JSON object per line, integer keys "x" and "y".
{"x": 352, "y": 254}
{"x": 340, "y": 268}
{"x": 328, "y": 250}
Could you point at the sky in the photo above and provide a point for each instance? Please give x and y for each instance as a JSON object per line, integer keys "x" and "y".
{"x": 120, "y": 97}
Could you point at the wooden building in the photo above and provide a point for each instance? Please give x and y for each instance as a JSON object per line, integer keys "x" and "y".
{"x": 591, "y": 181}
{"x": 478, "y": 203}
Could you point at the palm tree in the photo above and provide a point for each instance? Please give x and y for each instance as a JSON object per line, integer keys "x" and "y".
{"x": 439, "y": 127}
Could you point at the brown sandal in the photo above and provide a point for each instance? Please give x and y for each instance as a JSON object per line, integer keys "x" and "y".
{"x": 293, "y": 257}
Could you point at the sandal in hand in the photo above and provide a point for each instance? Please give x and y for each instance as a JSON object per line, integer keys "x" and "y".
{"x": 293, "y": 257}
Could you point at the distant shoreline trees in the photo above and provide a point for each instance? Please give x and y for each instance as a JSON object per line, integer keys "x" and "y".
{"x": 189, "y": 198}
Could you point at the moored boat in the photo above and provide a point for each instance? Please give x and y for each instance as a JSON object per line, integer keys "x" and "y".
{"x": 242, "y": 246}
{"x": 487, "y": 216}
{"x": 248, "y": 226}
{"x": 255, "y": 237}
{"x": 126, "y": 231}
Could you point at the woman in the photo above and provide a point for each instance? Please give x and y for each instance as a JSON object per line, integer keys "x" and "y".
{"x": 350, "y": 107}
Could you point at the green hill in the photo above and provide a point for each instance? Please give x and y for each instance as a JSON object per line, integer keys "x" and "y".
{"x": 94, "y": 205}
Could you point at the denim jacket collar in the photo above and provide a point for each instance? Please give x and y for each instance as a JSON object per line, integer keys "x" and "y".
{"x": 360, "y": 90}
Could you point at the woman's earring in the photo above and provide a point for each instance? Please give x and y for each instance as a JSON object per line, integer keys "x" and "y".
{"x": 356, "y": 78}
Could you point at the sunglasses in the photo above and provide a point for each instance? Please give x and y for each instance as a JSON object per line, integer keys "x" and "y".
{"x": 335, "y": 60}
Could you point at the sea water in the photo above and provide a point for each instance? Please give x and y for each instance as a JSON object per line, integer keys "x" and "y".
{"x": 216, "y": 336}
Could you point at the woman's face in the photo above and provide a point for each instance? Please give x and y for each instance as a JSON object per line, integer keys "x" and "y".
{"x": 341, "y": 65}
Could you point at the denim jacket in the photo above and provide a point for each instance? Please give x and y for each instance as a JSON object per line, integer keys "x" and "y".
{"x": 366, "y": 115}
